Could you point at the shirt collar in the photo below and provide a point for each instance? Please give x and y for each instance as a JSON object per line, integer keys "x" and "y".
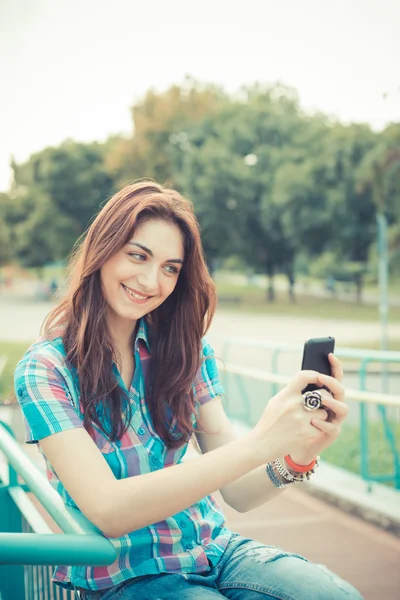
{"x": 142, "y": 334}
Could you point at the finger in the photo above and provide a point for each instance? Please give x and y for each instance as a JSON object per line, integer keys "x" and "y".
{"x": 336, "y": 367}
{"x": 302, "y": 379}
{"x": 320, "y": 413}
{"x": 334, "y": 386}
{"x": 332, "y": 429}
{"x": 338, "y": 410}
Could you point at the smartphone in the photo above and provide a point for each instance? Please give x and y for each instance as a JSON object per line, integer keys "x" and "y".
{"x": 315, "y": 358}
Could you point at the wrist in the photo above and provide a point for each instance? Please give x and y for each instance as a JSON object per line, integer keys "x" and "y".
{"x": 257, "y": 449}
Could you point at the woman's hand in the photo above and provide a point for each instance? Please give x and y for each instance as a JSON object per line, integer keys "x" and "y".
{"x": 329, "y": 428}
{"x": 285, "y": 427}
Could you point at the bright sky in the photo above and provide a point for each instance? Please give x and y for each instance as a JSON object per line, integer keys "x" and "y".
{"x": 73, "y": 68}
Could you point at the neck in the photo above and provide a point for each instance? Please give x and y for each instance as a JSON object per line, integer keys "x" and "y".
{"x": 122, "y": 332}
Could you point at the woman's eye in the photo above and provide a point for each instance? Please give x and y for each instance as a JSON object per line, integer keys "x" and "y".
{"x": 137, "y": 256}
{"x": 171, "y": 269}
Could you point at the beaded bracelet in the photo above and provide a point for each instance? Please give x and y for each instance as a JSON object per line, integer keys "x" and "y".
{"x": 280, "y": 476}
{"x": 277, "y": 481}
{"x": 291, "y": 476}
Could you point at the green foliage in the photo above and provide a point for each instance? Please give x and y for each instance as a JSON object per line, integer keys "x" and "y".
{"x": 13, "y": 351}
{"x": 161, "y": 122}
{"x": 55, "y": 195}
{"x": 5, "y": 248}
{"x": 379, "y": 173}
{"x": 276, "y": 188}
{"x": 346, "y": 451}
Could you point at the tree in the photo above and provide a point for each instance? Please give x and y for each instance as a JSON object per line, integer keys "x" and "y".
{"x": 256, "y": 131}
{"x": 57, "y": 192}
{"x": 160, "y": 123}
{"x": 219, "y": 185}
{"x": 379, "y": 176}
{"x": 5, "y": 229}
{"x": 44, "y": 236}
{"x": 5, "y": 248}
{"x": 323, "y": 212}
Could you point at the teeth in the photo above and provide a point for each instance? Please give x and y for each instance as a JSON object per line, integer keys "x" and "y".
{"x": 137, "y": 296}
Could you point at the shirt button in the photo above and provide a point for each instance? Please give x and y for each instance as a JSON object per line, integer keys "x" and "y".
{"x": 182, "y": 524}
{"x": 189, "y": 546}
{"x": 154, "y": 459}
{"x": 141, "y": 431}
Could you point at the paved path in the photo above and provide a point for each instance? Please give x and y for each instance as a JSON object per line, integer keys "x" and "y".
{"x": 288, "y": 329}
{"x": 21, "y": 320}
{"x": 360, "y": 553}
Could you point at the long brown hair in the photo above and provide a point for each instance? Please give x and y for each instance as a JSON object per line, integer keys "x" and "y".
{"x": 176, "y": 326}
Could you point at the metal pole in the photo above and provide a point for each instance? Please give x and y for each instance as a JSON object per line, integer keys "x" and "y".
{"x": 383, "y": 291}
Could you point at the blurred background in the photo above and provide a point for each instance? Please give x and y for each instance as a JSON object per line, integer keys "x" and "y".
{"x": 280, "y": 121}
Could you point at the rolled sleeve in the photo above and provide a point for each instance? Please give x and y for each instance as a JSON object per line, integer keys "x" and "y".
{"x": 207, "y": 384}
{"x": 44, "y": 398}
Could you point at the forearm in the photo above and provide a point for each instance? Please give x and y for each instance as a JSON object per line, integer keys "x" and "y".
{"x": 251, "y": 490}
{"x": 135, "y": 502}
{"x": 254, "y": 489}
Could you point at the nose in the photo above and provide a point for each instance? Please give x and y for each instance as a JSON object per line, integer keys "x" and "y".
{"x": 148, "y": 278}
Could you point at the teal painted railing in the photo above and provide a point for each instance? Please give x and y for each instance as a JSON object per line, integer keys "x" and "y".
{"x": 377, "y": 422}
{"x": 29, "y": 548}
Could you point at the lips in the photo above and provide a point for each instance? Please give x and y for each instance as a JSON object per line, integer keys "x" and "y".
{"x": 134, "y": 294}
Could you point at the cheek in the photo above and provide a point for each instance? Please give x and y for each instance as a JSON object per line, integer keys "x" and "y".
{"x": 117, "y": 272}
{"x": 106, "y": 284}
{"x": 168, "y": 287}
{"x": 110, "y": 277}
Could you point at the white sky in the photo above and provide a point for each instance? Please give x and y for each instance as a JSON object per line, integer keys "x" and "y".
{"x": 73, "y": 68}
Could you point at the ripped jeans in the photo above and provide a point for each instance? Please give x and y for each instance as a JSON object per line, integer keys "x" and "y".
{"x": 248, "y": 570}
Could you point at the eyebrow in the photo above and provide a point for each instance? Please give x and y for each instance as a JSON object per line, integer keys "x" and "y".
{"x": 171, "y": 260}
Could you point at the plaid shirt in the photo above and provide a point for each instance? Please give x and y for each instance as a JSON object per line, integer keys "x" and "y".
{"x": 48, "y": 393}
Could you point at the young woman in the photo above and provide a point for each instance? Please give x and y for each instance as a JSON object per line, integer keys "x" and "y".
{"x": 120, "y": 381}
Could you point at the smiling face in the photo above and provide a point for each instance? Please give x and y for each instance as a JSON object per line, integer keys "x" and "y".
{"x": 141, "y": 276}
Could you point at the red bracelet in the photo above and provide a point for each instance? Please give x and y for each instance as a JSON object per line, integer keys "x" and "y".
{"x": 300, "y": 468}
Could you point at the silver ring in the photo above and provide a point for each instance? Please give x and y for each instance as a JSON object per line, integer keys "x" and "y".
{"x": 312, "y": 400}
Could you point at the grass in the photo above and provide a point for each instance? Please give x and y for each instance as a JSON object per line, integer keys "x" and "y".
{"x": 249, "y": 298}
{"x": 14, "y": 352}
{"x": 345, "y": 452}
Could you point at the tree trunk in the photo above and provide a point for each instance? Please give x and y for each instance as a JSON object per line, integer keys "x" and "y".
{"x": 359, "y": 286}
{"x": 270, "y": 288}
{"x": 291, "y": 279}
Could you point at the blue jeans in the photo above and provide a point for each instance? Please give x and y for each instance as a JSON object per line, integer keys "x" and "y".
{"x": 248, "y": 570}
